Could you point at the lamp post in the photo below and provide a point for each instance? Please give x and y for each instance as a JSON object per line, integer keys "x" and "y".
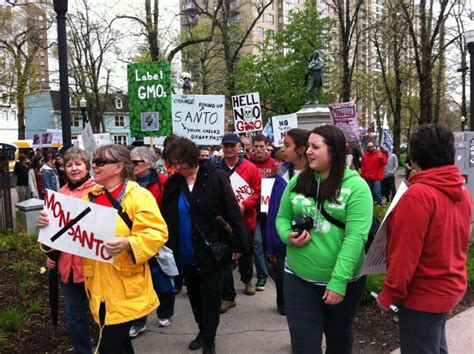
{"x": 83, "y": 105}
{"x": 469, "y": 38}
{"x": 463, "y": 120}
{"x": 60, "y": 7}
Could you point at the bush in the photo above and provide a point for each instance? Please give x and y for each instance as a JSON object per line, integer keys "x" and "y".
{"x": 3, "y": 339}
{"x": 470, "y": 263}
{"x": 12, "y": 319}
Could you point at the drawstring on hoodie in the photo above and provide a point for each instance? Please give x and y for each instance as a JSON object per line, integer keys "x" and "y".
{"x": 317, "y": 216}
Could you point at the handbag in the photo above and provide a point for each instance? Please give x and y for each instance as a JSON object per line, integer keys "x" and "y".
{"x": 220, "y": 249}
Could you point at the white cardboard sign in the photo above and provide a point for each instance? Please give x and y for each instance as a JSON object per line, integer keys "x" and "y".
{"x": 247, "y": 112}
{"x": 241, "y": 188}
{"x": 376, "y": 259}
{"x": 267, "y": 186}
{"x": 281, "y": 124}
{"x": 199, "y": 118}
{"x": 95, "y": 226}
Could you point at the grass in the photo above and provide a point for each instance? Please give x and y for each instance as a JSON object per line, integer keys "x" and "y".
{"x": 3, "y": 339}
{"x": 12, "y": 319}
{"x": 470, "y": 264}
{"x": 35, "y": 305}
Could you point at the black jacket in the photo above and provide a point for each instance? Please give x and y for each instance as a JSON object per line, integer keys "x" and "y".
{"x": 212, "y": 195}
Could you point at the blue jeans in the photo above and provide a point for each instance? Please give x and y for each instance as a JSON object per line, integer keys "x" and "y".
{"x": 260, "y": 264}
{"x": 375, "y": 188}
{"x": 77, "y": 307}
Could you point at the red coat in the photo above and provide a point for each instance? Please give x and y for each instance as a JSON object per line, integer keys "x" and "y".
{"x": 372, "y": 165}
{"x": 428, "y": 236}
{"x": 67, "y": 261}
{"x": 156, "y": 186}
{"x": 267, "y": 167}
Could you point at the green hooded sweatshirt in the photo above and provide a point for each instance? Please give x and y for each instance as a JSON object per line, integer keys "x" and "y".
{"x": 333, "y": 256}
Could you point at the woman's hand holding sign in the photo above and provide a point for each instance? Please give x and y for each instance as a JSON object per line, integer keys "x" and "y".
{"x": 117, "y": 246}
{"x": 43, "y": 219}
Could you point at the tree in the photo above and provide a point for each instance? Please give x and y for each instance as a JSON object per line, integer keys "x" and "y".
{"x": 22, "y": 37}
{"x": 279, "y": 72}
{"x": 348, "y": 14}
{"x": 91, "y": 37}
{"x": 424, "y": 23}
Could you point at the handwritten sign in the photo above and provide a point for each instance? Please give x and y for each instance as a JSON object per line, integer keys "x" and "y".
{"x": 376, "y": 259}
{"x": 199, "y": 117}
{"x": 78, "y": 227}
{"x": 241, "y": 188}
{"x": 267, "y": 186}
{"x": 344, "y": 116}
{"x": 247, "y": 112}
{"x": 281, "y": 124}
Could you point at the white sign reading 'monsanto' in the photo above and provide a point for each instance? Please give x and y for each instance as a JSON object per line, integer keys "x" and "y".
{"x": 199, "y": 117}
{"x": 78, "y": 227}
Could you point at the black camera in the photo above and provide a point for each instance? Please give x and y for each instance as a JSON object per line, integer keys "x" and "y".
{"x": 301, "y": 223}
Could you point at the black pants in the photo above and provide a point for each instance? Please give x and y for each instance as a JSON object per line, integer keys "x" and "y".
{"x": 309, "y": 317}
{"x": 278, "y": 272}
{"x": 245, "y": 269}
{"x": 116, "y": 340}
{"x": 388, "y": 188}
{"x": 422, "y": 332}
{"x": 205, "y": 294}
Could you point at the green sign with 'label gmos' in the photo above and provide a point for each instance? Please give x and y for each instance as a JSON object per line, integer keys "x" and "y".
{"x": 149, "y": 94}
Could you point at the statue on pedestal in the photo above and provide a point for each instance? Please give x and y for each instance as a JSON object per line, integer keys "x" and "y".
{"x": 315, "y": 70}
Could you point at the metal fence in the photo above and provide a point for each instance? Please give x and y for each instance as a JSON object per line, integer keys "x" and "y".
{"x": 6, "y": 216}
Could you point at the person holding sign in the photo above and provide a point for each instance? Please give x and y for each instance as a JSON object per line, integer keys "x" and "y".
{"x": 246, "y": 183}
{"x": 427, "y": 241}
{"x": 293, "y": 153}
{"x": 324, "y": 218}
{"x": 122, "y": 292}
{"x": 205, "y": 233}
{"x": 78, "y": 184}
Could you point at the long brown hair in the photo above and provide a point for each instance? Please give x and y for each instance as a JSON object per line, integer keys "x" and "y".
{"x": 329, "y": 189}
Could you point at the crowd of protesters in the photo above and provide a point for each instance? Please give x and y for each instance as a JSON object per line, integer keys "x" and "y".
{"x": 183, "y": 208}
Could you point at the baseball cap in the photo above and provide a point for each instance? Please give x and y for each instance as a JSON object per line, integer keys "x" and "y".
{"x": 230, "y": 138}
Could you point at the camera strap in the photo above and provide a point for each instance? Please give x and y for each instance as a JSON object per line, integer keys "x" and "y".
{"x": 332, "y": 219}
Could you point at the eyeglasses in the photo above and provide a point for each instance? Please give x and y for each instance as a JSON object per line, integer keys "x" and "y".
{"x": 101, "y": 162}
{"x": 137, "y": 162}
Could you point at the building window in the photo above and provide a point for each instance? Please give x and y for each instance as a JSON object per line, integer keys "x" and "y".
{"x": 119, "y": 121}
{"x": 75, "y": 120}
{"x": 270, "y": 33}
{"x": 118, "y": 103}
{"x": 260, "y": 31}
{"x": 120, "y": 139}
{"x": 271, "y": 19}
{"x": 72, "y": 100}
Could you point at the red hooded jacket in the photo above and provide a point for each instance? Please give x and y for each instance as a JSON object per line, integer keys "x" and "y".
{"x": 428, "y": 236}
{"x": 372, "y": 165}
{"x": 267, "y": 167}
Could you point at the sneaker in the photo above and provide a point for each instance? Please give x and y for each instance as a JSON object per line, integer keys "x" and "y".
{"x": 249, "y": 288}
{"x": 196, "y": 343}
{"x": 227, "y": 305}
{"x": 261, "y": 284}
{"x": 136, "y": 330}
{"x": 163, "y": 322}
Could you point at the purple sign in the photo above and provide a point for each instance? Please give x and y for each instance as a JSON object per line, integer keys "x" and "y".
{"x": 344, "y": 116}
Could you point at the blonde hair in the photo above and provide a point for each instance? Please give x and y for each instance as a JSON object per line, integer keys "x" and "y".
{"x": 75, "y": 153}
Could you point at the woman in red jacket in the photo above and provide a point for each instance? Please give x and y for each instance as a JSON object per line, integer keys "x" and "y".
{"x": 428, "y": 236}
{"x": 79, "y": 183}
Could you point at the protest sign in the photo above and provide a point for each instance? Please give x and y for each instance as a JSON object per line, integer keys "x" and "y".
{"x": 247, "y": 112}
{"x": 376, "y": 259}
{"x": 344, "y": 116}
{"x": 268, "y": 130}
{"x": 88, "y": 142}
{"x": 267, "y": 185}
{"x": 149, "y": 95}
{"x": 42, "y": 140}
{"x": 281, "y": 124}
{"x": 199, "y": 118}
{"x": 56, "y": 136}
{"x": 241, "y": 189}
{"x": 78, "y": 227}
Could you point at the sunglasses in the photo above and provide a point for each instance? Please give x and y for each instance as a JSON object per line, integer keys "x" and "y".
{"x": 137, "y": 162}
{"x": 101, "y": 162}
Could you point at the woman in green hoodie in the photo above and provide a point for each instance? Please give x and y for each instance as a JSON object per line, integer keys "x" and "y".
{"x": 322, "y": 287}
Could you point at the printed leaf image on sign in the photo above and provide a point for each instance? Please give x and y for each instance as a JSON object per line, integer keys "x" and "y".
{"x": 149, "y": 94}
{"x": 199, "y": 118}
{"x": 247, "y": 112}
{"x": 78, "y": 227}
